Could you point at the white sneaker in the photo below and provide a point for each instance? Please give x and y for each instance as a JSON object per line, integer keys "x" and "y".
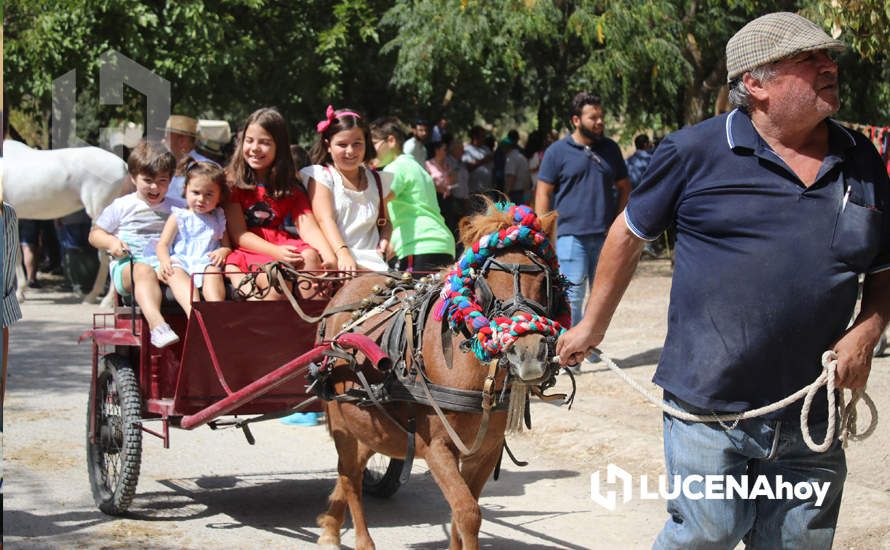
{"x": 163, "y": 336}
{"x": 576, "y": 369}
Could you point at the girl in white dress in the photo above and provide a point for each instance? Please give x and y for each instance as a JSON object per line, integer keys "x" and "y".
{"x": 346, "y": 195}
{"x": 198, "y": 238}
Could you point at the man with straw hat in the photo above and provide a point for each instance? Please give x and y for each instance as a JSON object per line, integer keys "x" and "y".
{"x": 778, "y": 211}
{"x": 180, "y": 135}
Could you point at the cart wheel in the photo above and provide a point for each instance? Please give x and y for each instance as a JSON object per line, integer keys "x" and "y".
{"x": 881, "y": 346}
{"x": 381, "y": 478}
{"x": 113, "y": 460}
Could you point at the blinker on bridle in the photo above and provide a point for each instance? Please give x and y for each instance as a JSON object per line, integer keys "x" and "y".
{"x": 518, "y": 302}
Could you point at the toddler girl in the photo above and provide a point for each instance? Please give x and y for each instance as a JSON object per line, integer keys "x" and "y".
{"x": 198, "y": 237}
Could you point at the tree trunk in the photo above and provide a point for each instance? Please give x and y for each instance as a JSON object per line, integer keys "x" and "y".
{"x": 545, "y": 115}
{"x": 695, "y": 104}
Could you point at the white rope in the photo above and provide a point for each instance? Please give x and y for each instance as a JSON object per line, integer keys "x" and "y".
{"x": 848, "y": 428}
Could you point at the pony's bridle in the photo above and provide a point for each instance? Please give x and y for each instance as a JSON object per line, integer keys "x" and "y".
{"x": 518, "y": 302}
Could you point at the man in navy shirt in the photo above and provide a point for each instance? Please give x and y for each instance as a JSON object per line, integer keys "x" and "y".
{"x": 579, "y": 177}
{"x": 778, "y": 211}
{"x": 639, "y": 161}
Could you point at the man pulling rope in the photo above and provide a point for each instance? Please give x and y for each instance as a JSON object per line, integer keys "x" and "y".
{"x": 779, "y": 210}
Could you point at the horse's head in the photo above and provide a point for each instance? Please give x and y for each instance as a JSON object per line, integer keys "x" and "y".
{"x": 513, "y": 284}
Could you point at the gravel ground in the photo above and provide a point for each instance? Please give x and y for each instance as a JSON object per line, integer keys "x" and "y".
{"x": 212, "y": 489}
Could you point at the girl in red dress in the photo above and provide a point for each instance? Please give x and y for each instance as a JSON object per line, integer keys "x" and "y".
{"x": 264, "y": 193}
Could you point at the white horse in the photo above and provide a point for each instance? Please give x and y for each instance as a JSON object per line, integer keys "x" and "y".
{"x": 45, "y": 185}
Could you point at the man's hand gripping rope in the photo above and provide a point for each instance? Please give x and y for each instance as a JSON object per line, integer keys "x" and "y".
{"x": 848, "y": 416}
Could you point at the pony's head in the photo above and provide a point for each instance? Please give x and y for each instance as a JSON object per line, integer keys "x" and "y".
{"x": 505, "y": 290}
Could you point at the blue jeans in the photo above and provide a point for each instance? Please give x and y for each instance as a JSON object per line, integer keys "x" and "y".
{"x": 577, "y": 256}
{"x": 755, "y": 447}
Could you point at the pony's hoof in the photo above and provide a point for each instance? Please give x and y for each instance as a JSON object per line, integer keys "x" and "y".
{"x": 328, "y": 542}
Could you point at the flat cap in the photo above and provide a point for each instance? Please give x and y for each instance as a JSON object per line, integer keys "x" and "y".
{"x": 772, "y": 37}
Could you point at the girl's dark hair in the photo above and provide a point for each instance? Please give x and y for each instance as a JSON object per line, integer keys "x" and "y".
{"x": 387, "y": 126}
{"x": 433, "y": 146}
{"x": 207, "y": 170}
{"x": 280, "y": 181}
{"x": 299, "y": 156}
{"x": 319, "y": 152}
{"x": 301, "y": 160}
{"x": 534, "y": 143}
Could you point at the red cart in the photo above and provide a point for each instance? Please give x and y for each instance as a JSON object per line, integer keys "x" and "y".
{"x": 245, "y": 361}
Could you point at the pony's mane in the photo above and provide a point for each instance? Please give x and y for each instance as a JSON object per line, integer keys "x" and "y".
{"x": 476, "y": 226}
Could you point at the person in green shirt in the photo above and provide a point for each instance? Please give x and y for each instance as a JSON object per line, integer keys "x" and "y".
{"x": 420, "y": 239}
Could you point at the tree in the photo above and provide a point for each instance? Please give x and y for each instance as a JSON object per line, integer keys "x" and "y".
{"x": 658, "y": 63}
{"x": 224, "y": 59}
{"x": 865, "y": 24}
{"x": 865, "y": 69}
{"x": 485, "y": 58}
{"x": 666, "y": 58}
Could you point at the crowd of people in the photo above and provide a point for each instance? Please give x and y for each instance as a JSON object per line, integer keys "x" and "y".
{"x": 366, "y": 196}
{"x": 779, "y": 211}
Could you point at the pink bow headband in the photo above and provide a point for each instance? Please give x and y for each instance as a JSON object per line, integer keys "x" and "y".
{"x": 329, "y": 118}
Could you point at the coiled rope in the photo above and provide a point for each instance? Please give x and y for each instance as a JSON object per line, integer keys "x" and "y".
{"x": 848, "y": 416}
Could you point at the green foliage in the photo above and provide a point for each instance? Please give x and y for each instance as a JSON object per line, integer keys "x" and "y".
{"x": 864, "y": 24}
{"x": 223, "y": 58}
{"x": 494, "y": 57}
{"x": 865, "y": 69}
{"x": 658, "y": 64}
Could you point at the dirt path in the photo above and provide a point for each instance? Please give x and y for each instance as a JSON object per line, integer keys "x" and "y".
{"x": 212, "y": 489}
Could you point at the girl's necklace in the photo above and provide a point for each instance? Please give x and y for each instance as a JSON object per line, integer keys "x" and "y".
{"x": 347, "y": 183}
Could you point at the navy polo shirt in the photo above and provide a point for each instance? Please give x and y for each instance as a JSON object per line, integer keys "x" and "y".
{"x": 765, "y": 278}
{"x": 584, "y": 184}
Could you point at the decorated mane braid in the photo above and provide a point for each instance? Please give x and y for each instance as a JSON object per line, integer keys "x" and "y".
{"x": 491, "y": 337}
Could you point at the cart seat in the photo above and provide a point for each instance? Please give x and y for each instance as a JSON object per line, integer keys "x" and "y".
{"x": 168, "y": 301}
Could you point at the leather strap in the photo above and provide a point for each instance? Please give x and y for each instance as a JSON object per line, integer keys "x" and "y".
{"x": 370, "y": 392}
{"x": 381, "y": 214}
{"x": 487, "y": 393}
{"x": 405, "y": 474}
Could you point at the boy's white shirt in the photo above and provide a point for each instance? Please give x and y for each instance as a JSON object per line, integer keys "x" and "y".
{"x": 137, "y": 223}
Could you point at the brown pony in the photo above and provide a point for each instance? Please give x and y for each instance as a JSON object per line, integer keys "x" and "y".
{"x": 359, "y": 432}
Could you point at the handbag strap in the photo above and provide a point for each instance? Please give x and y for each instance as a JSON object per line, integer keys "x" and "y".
{"x": 381, "y": 214}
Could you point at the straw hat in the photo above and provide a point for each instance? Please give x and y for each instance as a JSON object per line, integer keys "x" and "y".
{"x": 179, "y": 124}
{"x": 213, "y": 135}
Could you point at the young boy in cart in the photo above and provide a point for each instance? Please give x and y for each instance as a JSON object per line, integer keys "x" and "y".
{"x": 130, "y": 227}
